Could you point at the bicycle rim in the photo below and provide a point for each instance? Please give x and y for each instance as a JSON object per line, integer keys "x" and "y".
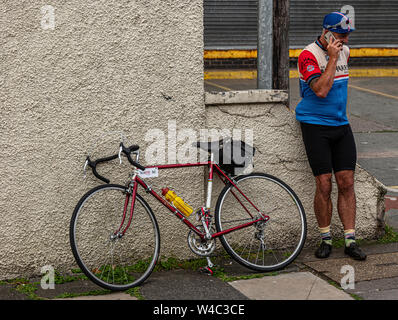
{"x": 115, "y": 263}
{"x": 265, "y": 246}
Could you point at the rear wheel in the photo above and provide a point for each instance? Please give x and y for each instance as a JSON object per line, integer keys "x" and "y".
{"x": 263, "y": 246}
{"x": 109, "y": 258}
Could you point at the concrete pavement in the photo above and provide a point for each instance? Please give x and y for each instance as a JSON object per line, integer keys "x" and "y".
{"x": 291, "y": 286}
{"x": 307, "y": 278}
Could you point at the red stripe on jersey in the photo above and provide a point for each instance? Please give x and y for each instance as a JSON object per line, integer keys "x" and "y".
{"x": 308, "y": 65}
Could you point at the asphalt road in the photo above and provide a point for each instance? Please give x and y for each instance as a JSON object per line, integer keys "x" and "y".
{"x": 373, "y": 114}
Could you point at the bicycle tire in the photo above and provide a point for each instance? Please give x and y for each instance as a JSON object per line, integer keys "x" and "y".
{"x": 267, "y": 194}
{"x": 141, "y": 244}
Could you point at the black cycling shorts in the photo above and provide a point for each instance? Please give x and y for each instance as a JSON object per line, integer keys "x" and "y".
{"x": 329, "y": 147}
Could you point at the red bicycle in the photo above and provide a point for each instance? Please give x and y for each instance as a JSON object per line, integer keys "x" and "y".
{"x": 115, "y": 237}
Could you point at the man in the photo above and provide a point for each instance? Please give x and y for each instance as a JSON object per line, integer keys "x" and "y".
{"x": 326, "y": 132}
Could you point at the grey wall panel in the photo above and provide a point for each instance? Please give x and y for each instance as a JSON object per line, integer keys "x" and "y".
{"x": 376, "y": 22}
{"x": 232, "y": 24}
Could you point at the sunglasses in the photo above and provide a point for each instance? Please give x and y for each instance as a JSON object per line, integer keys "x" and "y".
{"x": 344, "y": 24}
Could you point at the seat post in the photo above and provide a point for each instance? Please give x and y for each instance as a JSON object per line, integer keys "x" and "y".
{"x": 210, "y": 181}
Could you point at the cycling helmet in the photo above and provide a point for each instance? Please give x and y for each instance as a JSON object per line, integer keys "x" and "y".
{"x": 337, "y": 22}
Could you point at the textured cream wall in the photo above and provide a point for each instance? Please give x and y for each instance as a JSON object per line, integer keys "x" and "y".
{"x": 105, "y": 67}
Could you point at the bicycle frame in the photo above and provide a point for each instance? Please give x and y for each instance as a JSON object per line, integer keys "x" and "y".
{"x": 213, "y": 167}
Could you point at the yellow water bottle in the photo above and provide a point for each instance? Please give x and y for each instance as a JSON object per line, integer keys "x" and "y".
{"x": 177, "y": 202}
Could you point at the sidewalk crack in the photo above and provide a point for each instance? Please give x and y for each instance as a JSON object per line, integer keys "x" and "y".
{"x": 312, "y": 286}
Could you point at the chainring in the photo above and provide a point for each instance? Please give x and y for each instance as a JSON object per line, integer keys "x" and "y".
{"x": 199, "y": 246}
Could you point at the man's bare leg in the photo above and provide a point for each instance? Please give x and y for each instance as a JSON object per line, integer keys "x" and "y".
{"x": 322, "y": 200}
{"x": 323, "y": 213}
{"x": 346, "y": 201}
{"x": 346, "y": 206}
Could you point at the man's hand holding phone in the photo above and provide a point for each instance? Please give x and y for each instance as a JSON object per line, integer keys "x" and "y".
{"x": 334, "y": 46}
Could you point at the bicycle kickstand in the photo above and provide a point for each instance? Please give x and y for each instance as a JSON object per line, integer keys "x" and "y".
{"x": 209, "y": 268}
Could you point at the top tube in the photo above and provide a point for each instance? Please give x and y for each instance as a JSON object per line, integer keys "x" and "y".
{"x": 179, "y": 165}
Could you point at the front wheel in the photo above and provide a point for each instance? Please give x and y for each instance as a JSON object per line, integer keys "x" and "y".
{"x": 109, "y": 258}
{"x": 263, "y": 246}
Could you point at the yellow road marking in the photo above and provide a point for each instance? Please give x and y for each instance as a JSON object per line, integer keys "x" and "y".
{"x": 294, "y": 53}
{"x": 230, "y": 54}
{"x": 218, "y": 86}
{"x": 362, "y": 73}
{"x": 374, "y": 92}
{"x": 293, "y": 74}
{"x": 374, "y": 52}
{"x": 241, "y": 74}
{"x": 252, "y": 74}
{"x": 359, "y": 52}
{"x": 378, "y": 154}
{"x": 374, "y": 73}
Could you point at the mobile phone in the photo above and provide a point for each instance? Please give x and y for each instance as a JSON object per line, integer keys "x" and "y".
{"x": 329, "y": 35}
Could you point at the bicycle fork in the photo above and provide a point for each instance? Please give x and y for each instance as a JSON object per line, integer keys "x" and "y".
{"x": 130, "y": 193}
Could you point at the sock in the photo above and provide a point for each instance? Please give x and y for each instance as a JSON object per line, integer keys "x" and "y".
{"x": 349, "y": 236}
{"x": 326, "y": 235}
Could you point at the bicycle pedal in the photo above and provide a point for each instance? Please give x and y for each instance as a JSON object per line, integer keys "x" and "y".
{"x": 206, "y": 270}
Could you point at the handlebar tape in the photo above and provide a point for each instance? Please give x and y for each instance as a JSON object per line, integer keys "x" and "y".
{"x": 127, "y": 152}
{"x": 93, "y": 166}
{"x": 134, "y": 163}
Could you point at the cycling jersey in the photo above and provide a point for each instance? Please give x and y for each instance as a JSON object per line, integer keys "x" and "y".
{"x": 330, "y": 111}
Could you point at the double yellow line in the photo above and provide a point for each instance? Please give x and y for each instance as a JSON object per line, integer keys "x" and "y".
{"x": 294, "y": 53}
{"x": 252, "y": 74}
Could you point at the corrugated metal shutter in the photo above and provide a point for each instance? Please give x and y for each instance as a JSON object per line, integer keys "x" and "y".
{"x": 376, "y": 22}
{"x": 230, "y": 24}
